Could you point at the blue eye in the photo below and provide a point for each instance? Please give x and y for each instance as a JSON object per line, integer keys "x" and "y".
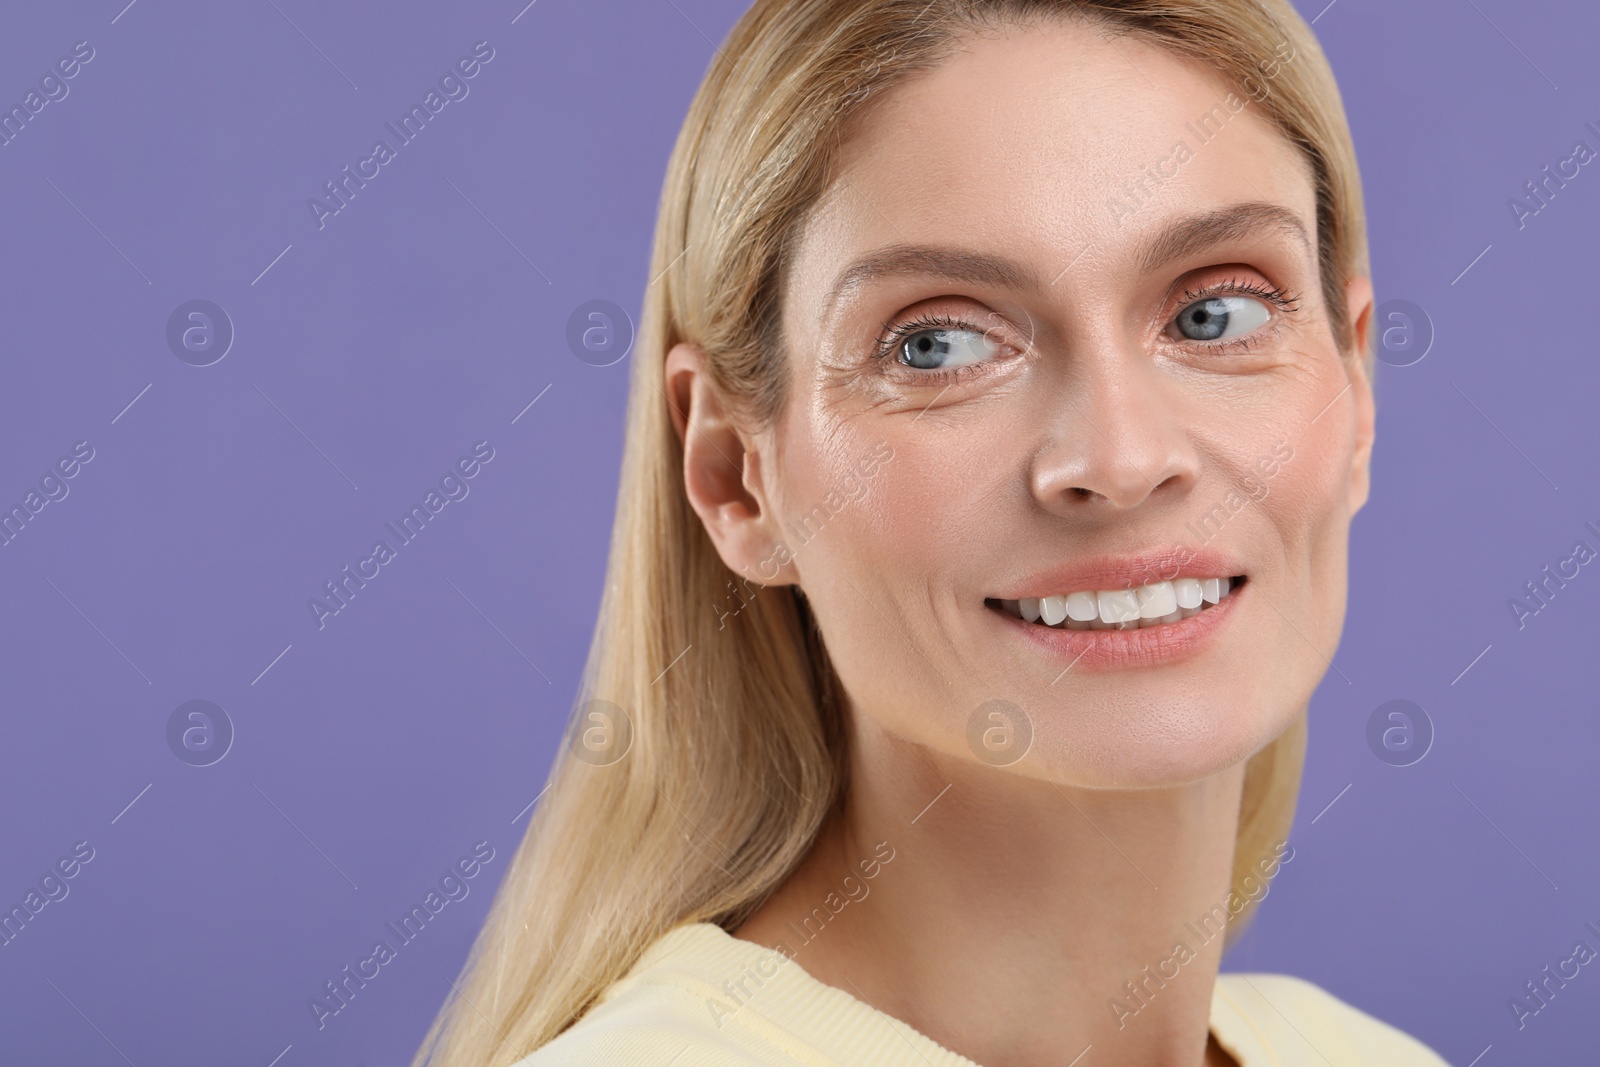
{"x": 1218, "y": 317}
{"x": 938, "y": 349}
{"x": 937, "y": 343}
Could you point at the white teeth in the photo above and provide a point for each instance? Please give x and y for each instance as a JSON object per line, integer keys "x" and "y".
{"x": 1122, "y": 609}
{"x": 1173, "y": 617}
{"x": 1052, "y": 609}
{"x": 1082, "y": 607}
{"x": 1118, "y": 605}
{"x": 1156, "y": 599}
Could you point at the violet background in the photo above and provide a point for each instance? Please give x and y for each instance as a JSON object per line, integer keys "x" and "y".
{"x": 432, "y": 310}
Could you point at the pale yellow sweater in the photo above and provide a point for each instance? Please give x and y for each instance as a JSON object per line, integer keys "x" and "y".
{"x": 700, "y": 997}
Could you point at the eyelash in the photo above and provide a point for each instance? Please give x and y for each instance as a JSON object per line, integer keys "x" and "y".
{"x": 1275, "y": 295}
{"x": 893, "y": 334}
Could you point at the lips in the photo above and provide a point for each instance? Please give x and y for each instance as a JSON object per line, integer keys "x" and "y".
{"x": 1162, "y": 564}
{"x": 1118, "y": 611}
{"x": 1152, "y": 604}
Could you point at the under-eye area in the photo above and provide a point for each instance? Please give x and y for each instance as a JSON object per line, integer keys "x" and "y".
{"x": 1138, "y": 608}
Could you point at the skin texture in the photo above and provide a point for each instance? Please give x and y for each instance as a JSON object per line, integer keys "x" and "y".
{"x": 1022, "y": 899}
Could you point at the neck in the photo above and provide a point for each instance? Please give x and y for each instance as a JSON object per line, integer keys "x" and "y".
{"x": 1016, "y": 921}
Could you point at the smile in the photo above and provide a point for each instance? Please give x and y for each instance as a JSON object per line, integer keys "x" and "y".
{"x": 1143, "y": 607}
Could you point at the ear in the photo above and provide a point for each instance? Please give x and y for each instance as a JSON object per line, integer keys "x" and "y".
{"x": 1358, "y": 303}
{"x": 723, "y": 476}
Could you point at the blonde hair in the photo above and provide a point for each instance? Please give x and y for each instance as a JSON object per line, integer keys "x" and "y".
{"x": 734, "y": 732}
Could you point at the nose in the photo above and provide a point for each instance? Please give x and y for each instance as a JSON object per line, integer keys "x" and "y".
{"x": 1120, "y": 436}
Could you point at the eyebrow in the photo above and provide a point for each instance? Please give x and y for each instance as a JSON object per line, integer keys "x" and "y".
{"x": 1196, "y": 233}
{"x": 1182, "y": 238}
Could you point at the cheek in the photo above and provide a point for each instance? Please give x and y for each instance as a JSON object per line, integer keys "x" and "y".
{"x": 1299, "y": 456}
{"x": 876, "y": 568}
{"x": 1307, "y": 515}
{"x": 915, "y": 514}
{"x": 1308, "y": 499}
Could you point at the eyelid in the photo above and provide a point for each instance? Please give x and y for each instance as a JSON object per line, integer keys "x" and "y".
{"x": 1269, "y": 293}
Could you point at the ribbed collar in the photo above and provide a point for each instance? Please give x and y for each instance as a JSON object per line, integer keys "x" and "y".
{"x": 773, "y": 996}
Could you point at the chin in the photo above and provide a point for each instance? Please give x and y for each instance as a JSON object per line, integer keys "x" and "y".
{"x": 1155, "y": 745}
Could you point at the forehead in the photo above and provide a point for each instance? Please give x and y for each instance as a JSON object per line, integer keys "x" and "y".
{"x": 1041, "y": 145}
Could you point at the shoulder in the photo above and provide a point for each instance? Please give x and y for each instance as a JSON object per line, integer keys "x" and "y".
{"x": 649, "y": 1025}
{"x": 1294, "y": 1020}
{"x": 673, "y": 1008}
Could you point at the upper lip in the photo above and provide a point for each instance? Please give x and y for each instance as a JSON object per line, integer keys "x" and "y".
{"x": 1164, "y": 563}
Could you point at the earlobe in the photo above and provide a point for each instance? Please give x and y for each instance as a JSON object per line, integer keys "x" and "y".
{"x": 722, "y": 472}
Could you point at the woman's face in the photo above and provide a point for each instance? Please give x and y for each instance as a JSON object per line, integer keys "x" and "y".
{"x": 1088, "y": 353}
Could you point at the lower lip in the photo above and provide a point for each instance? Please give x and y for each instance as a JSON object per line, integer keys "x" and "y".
{"x": 1104, "y": 650}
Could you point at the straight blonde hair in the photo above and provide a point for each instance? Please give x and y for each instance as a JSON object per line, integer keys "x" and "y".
{"x": 699, "y": 787}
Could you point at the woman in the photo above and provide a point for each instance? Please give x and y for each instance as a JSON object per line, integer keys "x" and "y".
{"x": 1002, "y": 403}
